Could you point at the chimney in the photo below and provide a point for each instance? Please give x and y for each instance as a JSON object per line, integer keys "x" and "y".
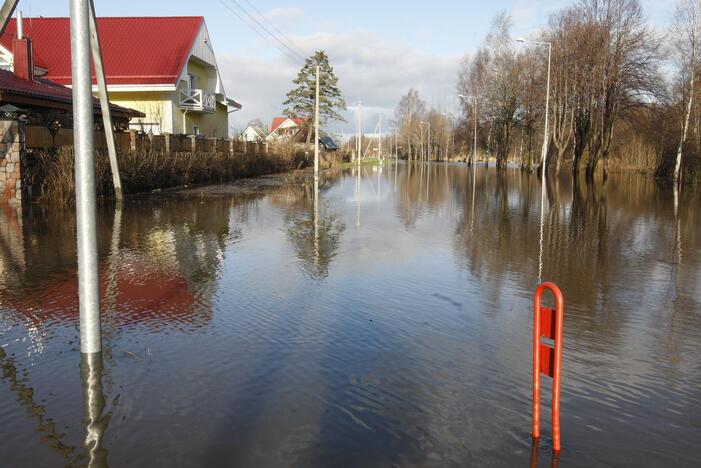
{"x": 22, "y": 53}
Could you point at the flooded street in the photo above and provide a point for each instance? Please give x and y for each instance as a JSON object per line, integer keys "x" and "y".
{"x": 387, "y": 324}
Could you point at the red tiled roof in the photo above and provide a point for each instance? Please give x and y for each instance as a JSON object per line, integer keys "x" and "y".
{"x": 43, "y": 92}
{"x": 277, "y": 121}
{"x": 136, "y": 51}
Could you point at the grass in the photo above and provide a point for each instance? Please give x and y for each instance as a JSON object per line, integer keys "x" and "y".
{"x": 51, "y": 173}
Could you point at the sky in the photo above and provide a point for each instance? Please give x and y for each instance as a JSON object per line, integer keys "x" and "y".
{"x": 379, "y": 49}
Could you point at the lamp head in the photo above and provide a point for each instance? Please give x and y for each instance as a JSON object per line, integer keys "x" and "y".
{"x": 521, "y": 40}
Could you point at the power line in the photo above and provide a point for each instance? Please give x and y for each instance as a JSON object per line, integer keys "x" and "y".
{"x": 266, "y": 30}
{"x": 284, "y": 36}
{"x": 293, "y": 56}
{"x": 284, "y": 44}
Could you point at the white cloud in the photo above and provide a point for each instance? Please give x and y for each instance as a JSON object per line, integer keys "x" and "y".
{"x": 369, "y": 68}
{"x": 284, "y": 15}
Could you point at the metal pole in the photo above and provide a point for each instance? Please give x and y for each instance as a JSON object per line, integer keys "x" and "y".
{"x": 8, "y": 8}
{"x": 474, "y": 148}
{"x": 546, "y": 133}
{"x": 360, "y": 130}
{"x": 380, "y": 141}
{"x": 396, "y": 144}
{"x": 104, "y": 103}
{"x": 428, "y": 150}
{"x": 421, "y": 128}
{"x": 83, "y": 125}
{"x": 316, "y": 128}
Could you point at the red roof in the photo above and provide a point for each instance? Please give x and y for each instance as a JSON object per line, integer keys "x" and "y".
{"x": 45, "y": 93}
{"x": 136, "y": 51}
{"x": 277, "y": 121}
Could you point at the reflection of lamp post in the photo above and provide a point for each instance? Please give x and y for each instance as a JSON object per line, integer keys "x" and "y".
{"x": 474, "y": 103}
{"x": 546, "y": 132}
{"x": 93, "y": 406}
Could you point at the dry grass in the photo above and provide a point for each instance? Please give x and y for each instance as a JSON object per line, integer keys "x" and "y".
{"x": 51, "y": 173}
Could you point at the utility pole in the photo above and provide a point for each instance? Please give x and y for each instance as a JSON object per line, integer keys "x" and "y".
{"x": 428, "y": 154}
{"x": 105, "y": 103}
{"x": 8, "y": 8}
{"x": 316, "y": 127}
{"x": 474, "y": 146}
{"x": 380, "y": 141}
{"x": 83, "y": 127}
{"x": 474, "y": 103}
{"x": 396, "y": 144}
{"x": 360, "y": 130}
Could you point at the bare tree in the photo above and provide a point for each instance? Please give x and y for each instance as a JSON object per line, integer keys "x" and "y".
{"x": 564, "y": 37}
{"x": 625, "y": 68}
{"x": 407, "y": 119}
{"x": 686, "y": 45}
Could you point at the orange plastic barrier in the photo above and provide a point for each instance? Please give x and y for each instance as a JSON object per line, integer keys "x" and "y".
{"x": 547, "y": 357}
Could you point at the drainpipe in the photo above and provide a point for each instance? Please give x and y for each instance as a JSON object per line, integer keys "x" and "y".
{"x": 185, "y": 122}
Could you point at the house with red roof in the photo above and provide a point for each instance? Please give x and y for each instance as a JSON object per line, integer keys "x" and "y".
{"x": 164, "y": 67}
{"x": 27, "y": 100}
{"x": 284, "y": 129}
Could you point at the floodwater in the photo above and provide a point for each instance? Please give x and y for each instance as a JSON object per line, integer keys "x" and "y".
{"x": 387, "y": 324}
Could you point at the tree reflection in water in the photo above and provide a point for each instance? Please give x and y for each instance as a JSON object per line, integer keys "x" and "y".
{"x": 313, "y": 229}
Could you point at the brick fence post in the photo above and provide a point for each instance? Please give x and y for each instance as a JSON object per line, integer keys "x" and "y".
{"x": 11, "y": 156}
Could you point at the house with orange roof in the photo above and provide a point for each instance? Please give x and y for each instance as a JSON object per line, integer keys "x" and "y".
{"x": 164, "y": 67}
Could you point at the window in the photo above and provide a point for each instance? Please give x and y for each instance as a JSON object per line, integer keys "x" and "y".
{"x": 191, "y": 81}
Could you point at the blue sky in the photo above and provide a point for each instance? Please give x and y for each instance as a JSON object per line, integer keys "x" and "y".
{"x": 379, "y": 49}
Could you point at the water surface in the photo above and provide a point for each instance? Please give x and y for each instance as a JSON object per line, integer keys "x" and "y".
{"x": 386, "y": 322}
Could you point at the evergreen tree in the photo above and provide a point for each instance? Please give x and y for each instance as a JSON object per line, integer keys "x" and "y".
{"x": 300, "y": 101}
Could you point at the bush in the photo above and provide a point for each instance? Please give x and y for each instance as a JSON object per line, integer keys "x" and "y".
{"x": 51, "y": 173}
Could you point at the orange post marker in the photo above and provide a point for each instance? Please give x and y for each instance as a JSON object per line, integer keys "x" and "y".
{"x": 547, "y": 358}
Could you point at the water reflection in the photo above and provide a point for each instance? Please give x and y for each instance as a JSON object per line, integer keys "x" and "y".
{"x": 535, "y": 456}
{"x": 46, "y": 430}
{"x": 253, "y": 315}
{"x": 94, "y": 417}
{"x": 313, "y": 229}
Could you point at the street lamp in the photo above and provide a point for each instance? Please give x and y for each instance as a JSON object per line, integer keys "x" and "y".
{"x": 474, "y": 103}
{"x": 428, "y": 138}
{"x": 546, "y": 133}
{"x": 452, "y": 133}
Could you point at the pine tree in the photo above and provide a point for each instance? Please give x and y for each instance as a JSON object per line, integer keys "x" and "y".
{"x": 300, "y": 101}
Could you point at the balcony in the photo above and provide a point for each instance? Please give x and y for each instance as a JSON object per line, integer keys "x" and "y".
{"x": 197, "y": 100}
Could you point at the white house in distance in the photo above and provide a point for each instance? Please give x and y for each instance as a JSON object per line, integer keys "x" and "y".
{"x": 252, "y": 135}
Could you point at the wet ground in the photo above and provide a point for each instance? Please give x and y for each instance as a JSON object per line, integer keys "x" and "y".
{"x": 386, "y": 324}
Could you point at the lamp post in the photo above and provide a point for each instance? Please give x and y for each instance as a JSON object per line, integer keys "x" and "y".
{"x": 452, "y": 133}
{"x": 428, "y": 143}
{"x": 546, "y": 132}
{"x": 474, "y": 103}
{"x": 86, "y": 205}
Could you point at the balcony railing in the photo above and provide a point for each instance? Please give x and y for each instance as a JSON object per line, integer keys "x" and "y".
{"x": 197, "y": 100}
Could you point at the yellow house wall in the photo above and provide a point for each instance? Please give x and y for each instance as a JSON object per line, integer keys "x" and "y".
{"x": 156, "y": 105}
{"x": 164, "y": 107}
{"x": 214, "y": 124}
